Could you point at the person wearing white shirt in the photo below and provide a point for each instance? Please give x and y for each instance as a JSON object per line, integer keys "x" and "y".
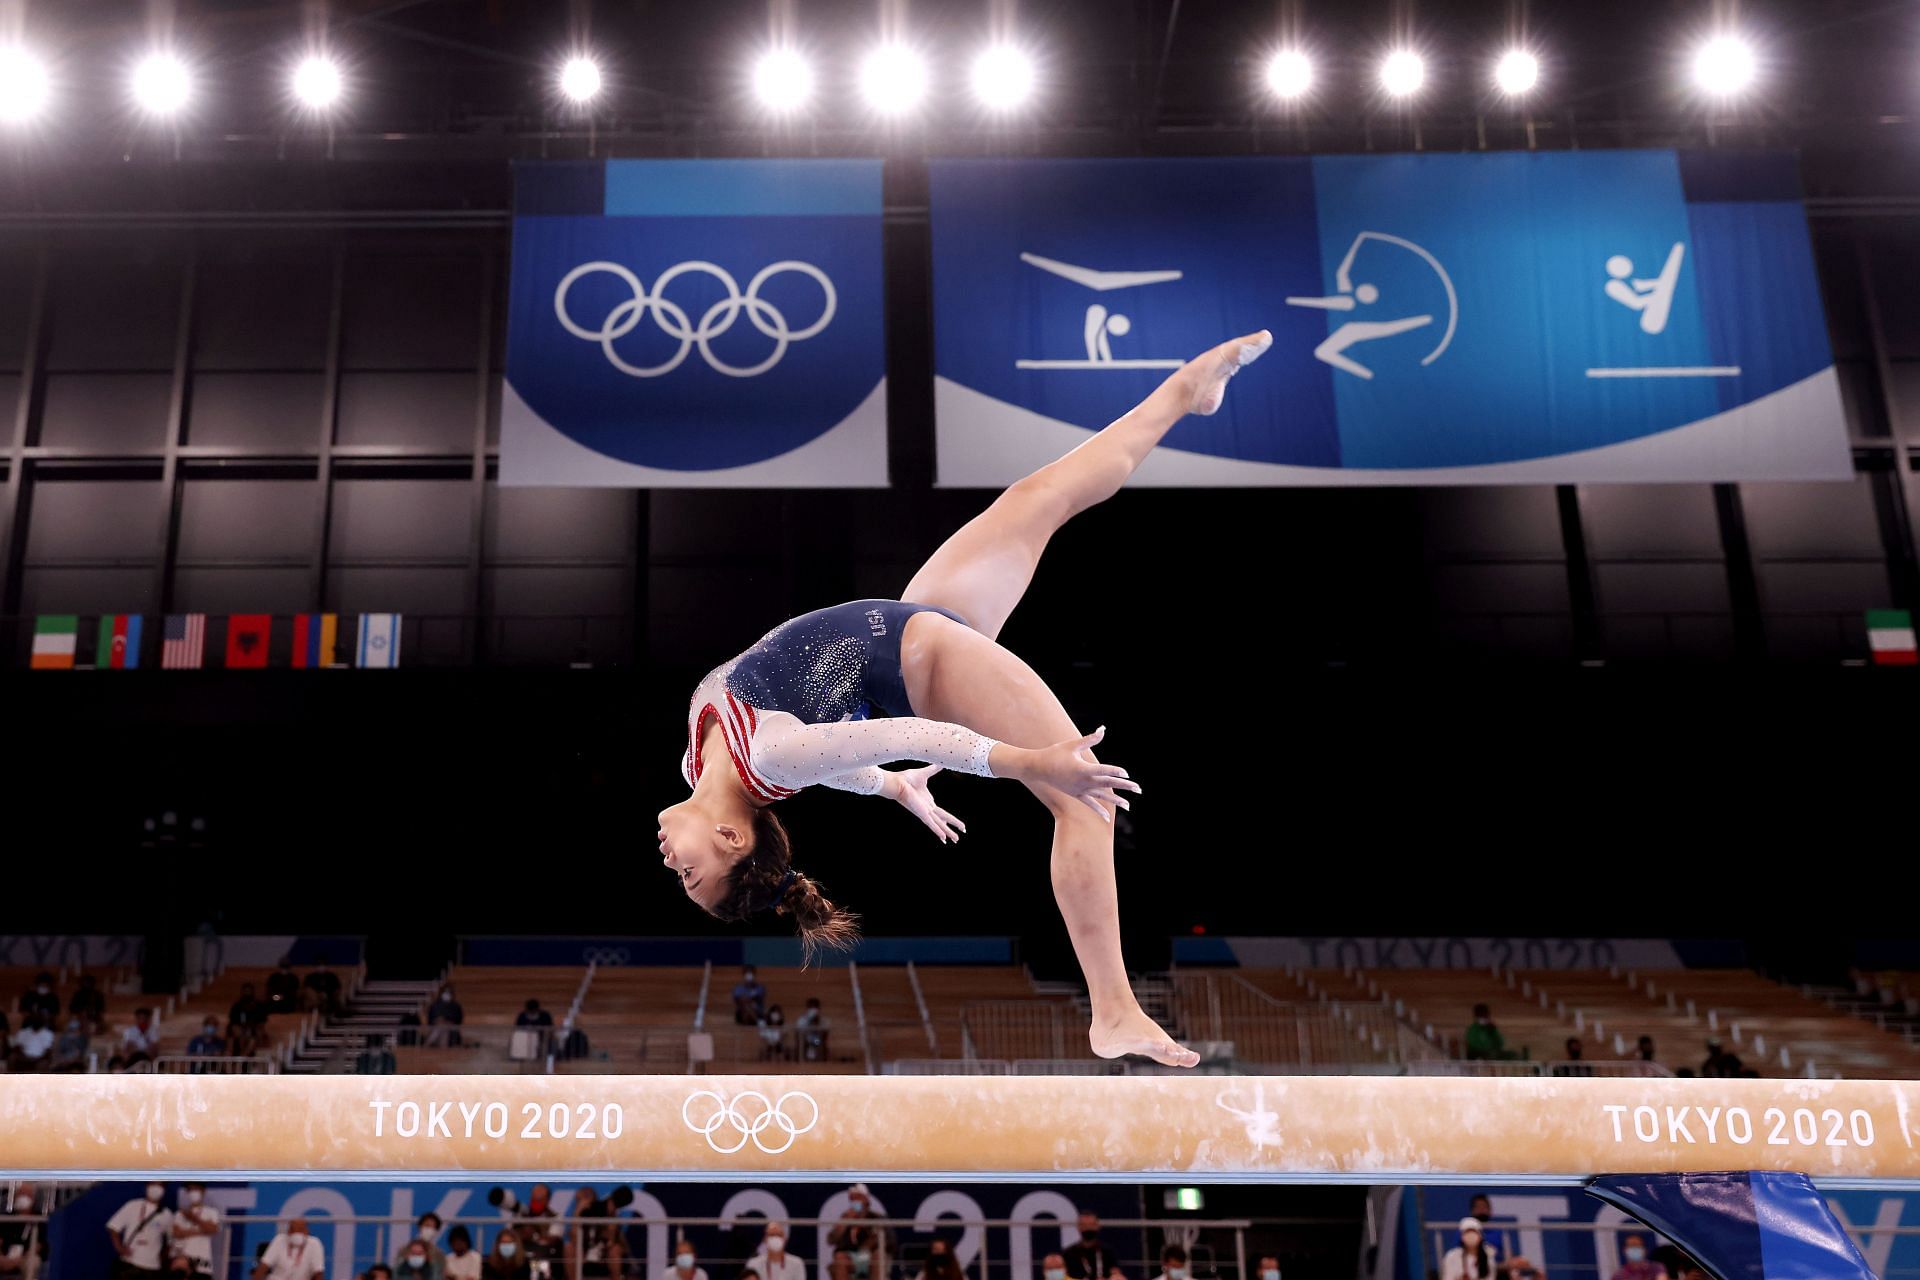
{"x": 1173, "y": 1264}
{"x": 293, "y": 1255}
{"x": 1472, "y": 1258}
{"x": 461, "y": 1260}
{"x": 773, "y": 1262}
{"x": 138, "y": 1230}
{"x": 194, "y": 1227}
{"x": 683, "y": 1267}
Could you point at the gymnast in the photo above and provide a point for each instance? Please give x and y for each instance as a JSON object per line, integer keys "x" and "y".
{"x": 831, "y": 695}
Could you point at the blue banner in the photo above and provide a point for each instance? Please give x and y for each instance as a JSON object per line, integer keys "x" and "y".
{"x": 1490, "y": 318}
{"x": 681, "y": 323}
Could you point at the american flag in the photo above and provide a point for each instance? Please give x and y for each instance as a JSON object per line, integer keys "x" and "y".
{"x": 185, "y": 636}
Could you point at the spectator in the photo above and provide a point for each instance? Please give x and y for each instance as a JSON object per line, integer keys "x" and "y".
{"x": 1720, "y": 1065}
{"x": 812, "y": 1026}
{"x": 138, "y": 1230}
{"x": 426, "y": 1232}
{"x": 541, "y": 1238}
{"x": 1637, "y": 1266}
{"x": 321, "y": 991}
{"x": 246, "y": 1022}
{"x": 1053, "y": 1267}
{"x": 416, "y": 1262}
{"x": 1482, "y": 1208}
{"x": 1484, "y": 1041}
{"x": 1644, "y": 1049}
{"x": 444, "y": 1017}
{"x": 941, "y": 1264}
{"x": 508, "y": 1261}
{"x": 773, "y": 1033}
{"x": 1088, "y": 1259}
{"x": 1472, "y": 1258}
{"x": 208, "y": 1043}
{"x": 1173, "y": 1263}
{"x": 283, "y": 988}
{"x": 292, "y": 1255}
{"x": 378, "y": 1271}
{"x": 1676, "y": 1264}
{"x": 683, "y": 1267}
{"x": 23, "y": 1245}
{"x": 32, "y": 1044}
{"x": 70, "y": 1050}
{"x": 41, "y": 998}
{"x": 841, "y": 1268}
{"x": 601, "y": 1250}
{"x": 89, "y": 1003}
{"x": 461, "y": 1260}
{"x": 139, "y": 1042}
{"x": 773, "y": 1262}
{"x": 1572, "y": 1066}
{"x": 194, "y": 1228}
{"x": 868, "y": 1244}
{"x": 1269, "y": 1268}
{"x": 749, "y": 998}
{"x": 533, "y": 1016}
{"x": 375, "y": 1058}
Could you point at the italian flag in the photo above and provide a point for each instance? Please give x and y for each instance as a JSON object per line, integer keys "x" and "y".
{"x": 1889, "y": 634}
{"x": 54, "y": 637}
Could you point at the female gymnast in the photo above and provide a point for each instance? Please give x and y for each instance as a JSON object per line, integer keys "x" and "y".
{"x": 792, "y": 711}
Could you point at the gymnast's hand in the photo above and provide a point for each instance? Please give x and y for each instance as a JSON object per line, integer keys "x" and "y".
{"x": 909, "y": 787}
{"x": 1070, "y": 767}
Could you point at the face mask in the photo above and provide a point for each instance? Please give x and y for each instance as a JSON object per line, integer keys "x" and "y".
{"x": 1089, "y": 1237}
{"x": 446, "y": 995}
{"x": 1176, "y": 1273}
{"x": 1056, "y": 1273}
{"x": 416, "y": 1261}
{"x": 156, "y": 1193}
{"x": 211, "y": 1030}
{"x": 684, "y": 1261}
{"x": 508, "y": 1248}
{"x": 861, "y": 1261}
{"x": 776, "y": 1244}
{"x": 195, "y": 1197}
{"x": 296, "y": 1237}
{"x": 1635, "y": 1254}
{"x": 1271, "y": 1273}
{"x": 23, "y": 1204}
{"x": 429, "y": 1234}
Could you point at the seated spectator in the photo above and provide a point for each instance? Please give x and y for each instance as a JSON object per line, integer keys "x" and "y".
{"x": 461, "y": 1261}
{"x": 533, "y": 1016}
{"x": 208, "y": 1044}
{"x": 1572, "y": 1065}
{"x": 1481, "y": 1208}
{"x": 773, "y": 1033}
{"x": 32, "y": 1045}
{"x": 283, "y": 988}
{"x": 1637, "y": 1266}
{"x": 41, "y": 998}
{"x": 292, "y": 1255}
{"x": 90, "y": 1003}
{"x": 749, "y": 998}
{"x": 23, "y": 1245}
{"x": 868, "y": 1244}
{"x": 683, "y": 1267}
{"x": 1088, "y": 1259}
{"x": 70, "y": 1050}
{"x": 1484, "y": 1041}
{"x": 812, "y": 1026}
{"x": 773, "y": 1262}
{"x": 1472, "y": 1258}
{"x": 416, "y": 1262}
{"x": 376, "y": 1059}
{"x": 1720, "y": 1065}
{"x": 1269, "y": 1268}
{"x": 1173, "y": 1263}
{"x": 378, "y": 1271}
{"x": 444, "y": 1017}
{"x": 247, "y": 1021}
{"x": 426, "y": 1231}
{"x": 321, "y": 991}
{"x": 508, "y": 1261}
{"x": 841, "y": 1267}
{"x": 1644, "y": 1049}
{"x": 1053, "y": 1267}
{"x": 941, "y": 1264}
{"x": 140, "y": 1041}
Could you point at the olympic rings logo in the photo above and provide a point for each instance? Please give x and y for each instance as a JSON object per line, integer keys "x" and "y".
{"x": 674, "y": 322}
{"x": 749, "y": 1122}
{"x": 606, "y": 955}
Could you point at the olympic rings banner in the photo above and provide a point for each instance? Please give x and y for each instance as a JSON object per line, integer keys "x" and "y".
{"x": 695, "y": 323}
{"x": 1540, "y": 317}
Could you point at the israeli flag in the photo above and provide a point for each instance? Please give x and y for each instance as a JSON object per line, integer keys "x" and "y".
{"x": 379, "y": 640}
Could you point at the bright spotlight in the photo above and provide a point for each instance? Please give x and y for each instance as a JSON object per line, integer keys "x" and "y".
{"x": 580, "y": 79}
{"x": 893, "y": 79}
{"x": 316, "y": 82}
{"x": 782, "y": 80}
{"x": 1402, "y": 73}
{"x": 1003, "y": 77}
{"x": 1289, "y": 73}
{"x": 161, "y": 84}
{"x": 24, "y": 86}
{"x": 1517, "y": 73}
{"x": 1724, "y": 66}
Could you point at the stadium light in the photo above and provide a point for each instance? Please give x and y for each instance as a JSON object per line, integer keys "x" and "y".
{"x": 782, "y": 80}
{"x": 161, "y": 84}
{"x": 1516, "y": 73}
{"x": 580, "y": 79}
{"x": 1289, "y": 74}
{"x": 1004, "y": 77}
{"x": 24, "y": 86}
{"x": 317, "y": 83}
{"x": 893, "y": 79}
{"x": 1725, "y": 65}
{"x": 1402, "y": 72}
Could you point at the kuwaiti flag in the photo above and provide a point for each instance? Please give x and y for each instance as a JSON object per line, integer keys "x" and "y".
{"x": 247, "y": 639}
{"x": 119, "y": 647}
{"x": 1890, "y": 634}
{"x": 54, "y": 637}
{"x": 314, "y": 637}
{"x": 379, "y": 640}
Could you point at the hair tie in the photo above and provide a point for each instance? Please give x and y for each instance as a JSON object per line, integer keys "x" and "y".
{"x": 786, "y": 883}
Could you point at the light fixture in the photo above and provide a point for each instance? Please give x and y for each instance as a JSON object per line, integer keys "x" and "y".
{"x": 161, "y": 84}
{"x": 24, "y": 85}
{"x": 1289, "y": 73}
{"x": 1724, "y": 66}
{"x": 1402, "y": 72}
{"x": 782, "y": 80}
{"x": 316, "y": 82}
{"x": 580, "y": 79}
{"x": 1517, "y": 72}
{"x": 893, "y": 79}
{"x": 1003, "y": 77}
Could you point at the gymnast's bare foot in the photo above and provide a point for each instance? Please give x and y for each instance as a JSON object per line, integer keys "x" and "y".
{"x": 1207, "y": 373}
{"x": 1135, "y": 1033}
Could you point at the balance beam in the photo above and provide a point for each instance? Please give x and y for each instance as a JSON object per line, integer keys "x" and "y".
{"x": 810, "y": 1128}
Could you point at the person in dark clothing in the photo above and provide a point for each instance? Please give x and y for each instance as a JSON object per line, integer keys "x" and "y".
{"x": 376, "y": 1059}
{"x": 283, "y": 988}
{"x": 322, "y": 991}
{"x": 42, "y": 999}
{"x": 1720, "y": 1065}
{"x": 1088, "y": 1258}
{"x": 89, "y": 1003}
{"x": 445, "y": 1016}
{"x": 533, "y": 1016}
{"x": 509, "y": 1260}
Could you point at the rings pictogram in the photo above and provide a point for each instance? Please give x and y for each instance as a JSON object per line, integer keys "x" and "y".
{"x": 725, "y": 1119}
{"x": 716, "y": 320}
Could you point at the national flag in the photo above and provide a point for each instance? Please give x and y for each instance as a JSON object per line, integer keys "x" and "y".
{"x": 119, "y": 647}
{"x": 54, "y": 637}
{"x": 1890, "y": 635}
{"x": 182, "y": 640}
{"x": 247, "y": 639}
{"x": 379, "y": 640}
{"x": 314, "y": 637}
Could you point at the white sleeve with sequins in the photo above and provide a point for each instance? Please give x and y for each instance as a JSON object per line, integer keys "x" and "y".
{"x": 791, "y": 754}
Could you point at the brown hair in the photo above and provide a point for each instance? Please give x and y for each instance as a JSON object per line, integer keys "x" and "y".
{"x": 765, "y": 877}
